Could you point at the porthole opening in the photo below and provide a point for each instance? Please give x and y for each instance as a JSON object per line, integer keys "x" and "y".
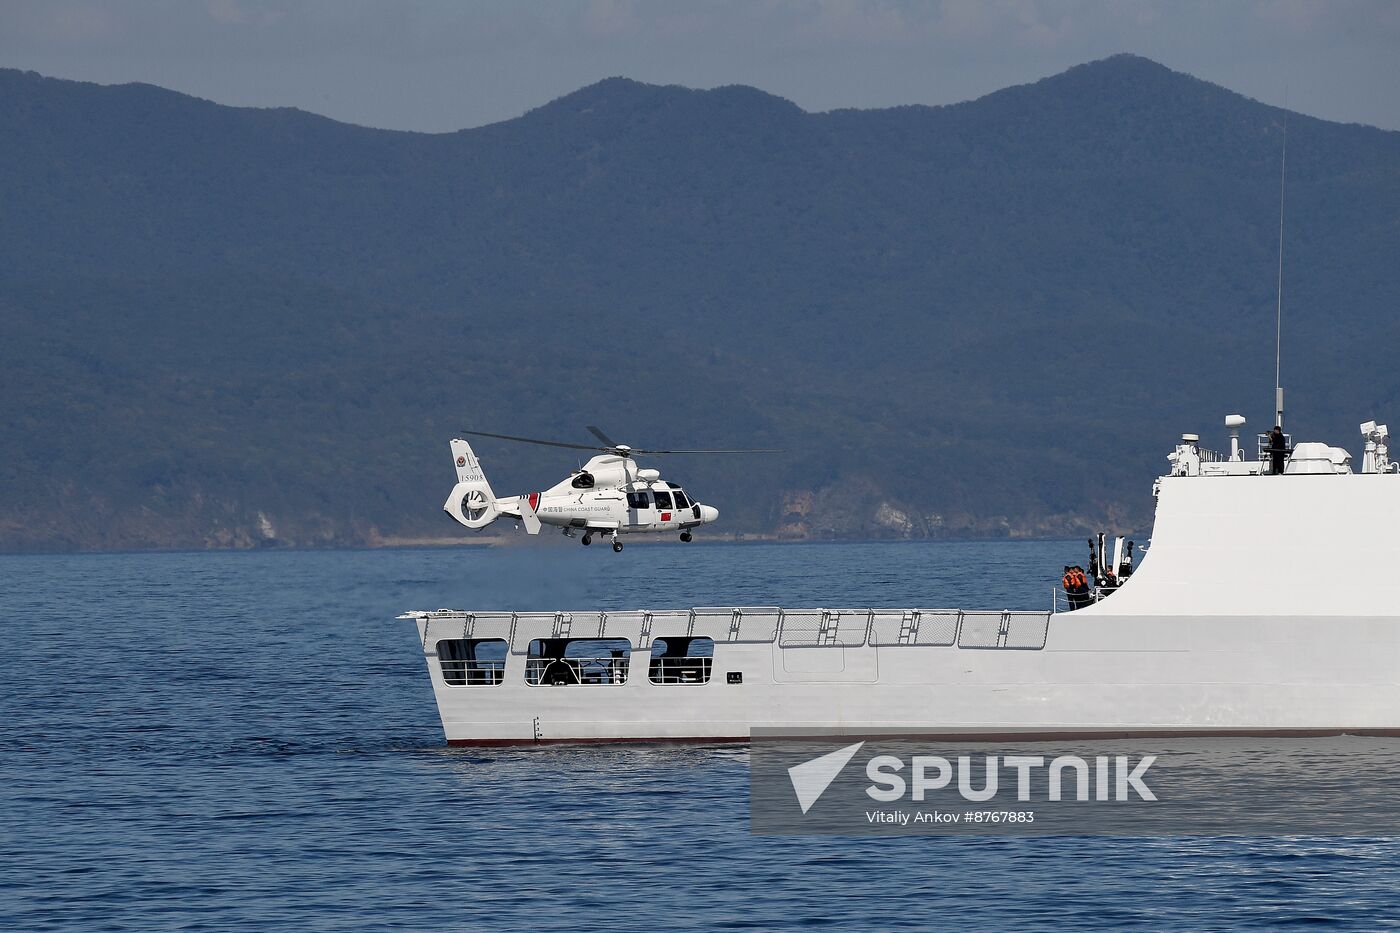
{"x": 681, "y": 660}
{"x": 472, "y": 662}
{"x": 585, "y": 662}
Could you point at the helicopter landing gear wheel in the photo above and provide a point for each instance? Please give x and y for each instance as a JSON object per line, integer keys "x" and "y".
{"x": 587, "y": 539}
{"x": 685, "y": 536}
{"x": 617, "y": 546}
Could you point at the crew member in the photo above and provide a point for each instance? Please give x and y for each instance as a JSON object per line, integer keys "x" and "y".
{"x": 1278, "y": 450}
{"x": 1076, "y": 585}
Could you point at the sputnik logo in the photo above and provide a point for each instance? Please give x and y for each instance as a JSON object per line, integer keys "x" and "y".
{"x": 811, "y": 778}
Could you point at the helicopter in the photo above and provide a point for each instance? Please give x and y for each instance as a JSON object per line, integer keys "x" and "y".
{"x": 610, "y": 495}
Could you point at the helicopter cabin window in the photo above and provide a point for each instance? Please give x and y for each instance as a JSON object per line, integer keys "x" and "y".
{"x": 472, "y": 662}
{"x": 663, "y": 499}
{"x": 583, "y": 481}
{"x": 639, "y": 500}
{"x": 681, "y": 501}
{"x": 681, "y": 660}
{"x": 566, "y": 662}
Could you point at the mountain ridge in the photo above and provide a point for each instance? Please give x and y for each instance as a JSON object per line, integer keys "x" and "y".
{"x": 981, "y": 318}
{"x": 1118, "y": 65}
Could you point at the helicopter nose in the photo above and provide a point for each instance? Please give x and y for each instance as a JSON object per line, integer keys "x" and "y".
{"x": 708, "y": 513}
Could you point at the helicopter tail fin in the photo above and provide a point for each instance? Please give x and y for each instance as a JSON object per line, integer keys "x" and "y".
{"x": 472, "y": 502}
{"x": 528, "y": 518}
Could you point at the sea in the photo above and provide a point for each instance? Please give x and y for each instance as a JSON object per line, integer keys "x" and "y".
{"x": 248, "y": 741}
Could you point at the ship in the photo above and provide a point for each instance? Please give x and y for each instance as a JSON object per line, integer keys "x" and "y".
{"x": 1266, "y": 603}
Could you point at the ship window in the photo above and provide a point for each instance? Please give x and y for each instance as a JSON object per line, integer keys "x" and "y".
{"x": 562, "y": 662}
{"x": 681, "y": 660}
{"x": 583, "y": 481}
{"x": 663, "y": 499}
{"x": 681, "y": 501}
{"x": 639, "y": 500}
{"x": 472, "y": 662}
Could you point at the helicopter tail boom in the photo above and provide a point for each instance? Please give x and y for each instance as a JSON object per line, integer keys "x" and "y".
{"x": 472, "y": 503}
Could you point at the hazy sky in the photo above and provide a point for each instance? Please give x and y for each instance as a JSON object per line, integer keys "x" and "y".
{"x": 442, "y": 65}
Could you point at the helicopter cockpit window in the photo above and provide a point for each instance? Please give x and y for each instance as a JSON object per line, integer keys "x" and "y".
{"x": 583, "y": 481}
{"x": 663, "y": 499}
{"x": 639, "y": 500}
{"x": 681, "y": 501}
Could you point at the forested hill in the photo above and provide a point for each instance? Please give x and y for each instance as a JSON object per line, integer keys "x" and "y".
{"x": 236, "y": 327}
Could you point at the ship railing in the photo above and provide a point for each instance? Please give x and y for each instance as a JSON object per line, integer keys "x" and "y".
{"x": 1060, "y": 600}
{"x": 790, "y": 628}
{"x": 601, "y": 670}
{"x": 473, "y": 673}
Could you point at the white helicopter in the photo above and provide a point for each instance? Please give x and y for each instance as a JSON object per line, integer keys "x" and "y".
{"x": 610, "y": 495}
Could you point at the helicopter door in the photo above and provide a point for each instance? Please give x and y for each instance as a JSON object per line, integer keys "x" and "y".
{"x": 639, "y": 511}
{"x": 665, "y": 508}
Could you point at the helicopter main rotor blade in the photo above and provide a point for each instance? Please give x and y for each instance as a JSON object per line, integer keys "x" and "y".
{"x": 746, "y": 450}
{"x": 613, "y": 448}
{"x": 531, "y": 440}
{"x": 598, "y": 433}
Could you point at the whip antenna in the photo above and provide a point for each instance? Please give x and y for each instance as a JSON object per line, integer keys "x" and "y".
{"x": 1278, "y": 313}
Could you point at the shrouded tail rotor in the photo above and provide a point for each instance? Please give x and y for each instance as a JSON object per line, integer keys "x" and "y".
{"x": 474, "y": 505}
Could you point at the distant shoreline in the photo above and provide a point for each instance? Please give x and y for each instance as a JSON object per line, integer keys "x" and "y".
{"x": 438, "y": 543}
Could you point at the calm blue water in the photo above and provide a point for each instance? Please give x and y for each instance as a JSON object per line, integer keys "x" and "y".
{"x": 247, "y": 741}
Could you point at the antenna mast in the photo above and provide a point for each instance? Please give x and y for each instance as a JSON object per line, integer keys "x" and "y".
{"x": 1278, "y": 313}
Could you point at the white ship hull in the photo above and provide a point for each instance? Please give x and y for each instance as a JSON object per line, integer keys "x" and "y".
{"x": 1107, "y": 676}
{"x": 1267, "y": 605}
